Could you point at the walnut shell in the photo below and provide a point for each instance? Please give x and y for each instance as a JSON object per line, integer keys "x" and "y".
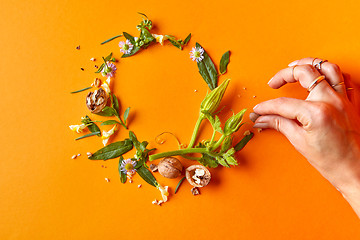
{"x": 96, "y": 101}
{"x": 204, "y": 180}
{"x": 170, "y": 167}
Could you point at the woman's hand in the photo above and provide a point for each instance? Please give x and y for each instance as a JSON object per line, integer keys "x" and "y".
{"x": 324, "y": 128}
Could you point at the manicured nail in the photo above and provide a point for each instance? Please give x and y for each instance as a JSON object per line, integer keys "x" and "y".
{"x": 261, "y": 125}
{"x": 270, "y": 81}
{"x": 256, "y": 106}
{"x": 293, "y": 63}
{"x": 253, "y": 116}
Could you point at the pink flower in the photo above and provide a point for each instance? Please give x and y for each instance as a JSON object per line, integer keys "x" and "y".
{"x": 125, "y": 47}
{"x": 109, "y": 69}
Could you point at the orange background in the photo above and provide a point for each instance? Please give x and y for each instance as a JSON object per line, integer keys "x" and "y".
{"x": 273, "y": 194}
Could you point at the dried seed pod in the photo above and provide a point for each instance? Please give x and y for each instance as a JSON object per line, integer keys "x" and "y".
{"x": 198, "y": 175}
{"x": 96, "y": 101}
{"x": 97, "y": 82}
{"x": 170, "y": 167}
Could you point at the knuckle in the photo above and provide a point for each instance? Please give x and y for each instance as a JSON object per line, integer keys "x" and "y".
{"x": 321, "y": 114}
{"x": 277, "y": 124}
{"x": 333, "y": 68}
{"x": 281, "y": 100}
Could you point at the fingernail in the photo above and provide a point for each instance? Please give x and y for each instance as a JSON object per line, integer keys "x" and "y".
{"x": 261, "y": 125}
{"x": 293, "y": 63}
{"x": 253, "y": 116}
{"x": 270, "y": 81}
{"x": 256, "y": 106}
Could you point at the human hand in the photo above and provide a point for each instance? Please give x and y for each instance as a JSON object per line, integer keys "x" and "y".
{"x": 324, "y": 128}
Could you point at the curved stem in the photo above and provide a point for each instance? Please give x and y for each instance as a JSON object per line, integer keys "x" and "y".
{"x": 212, "y": 137}
{"x": 177, "y": 153}
{"x": 196, "y": 130}
{"x": 218, "y": 143}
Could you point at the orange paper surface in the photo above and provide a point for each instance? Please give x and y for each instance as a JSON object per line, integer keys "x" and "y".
{"x": 273, "y": 194}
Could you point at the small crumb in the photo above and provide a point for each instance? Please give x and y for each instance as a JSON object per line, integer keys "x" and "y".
{"x": 160, "y": 202}
{"x": 244, "y": 88}
{"x": 195, "y": 191}
{"x": 259, "y": 130}
{"x": 154, "y": 202}
{"x": 130, "y": 181}
{"x": 92, "y": 59}
{"x": 102, "y": 165}
{"x": 182, "y": 145}
{"x": 246, "y": 133}
{"x": 254, "y": 96}
{"x": 239, "y": 95}
{"x": 79, "y": 155}
{"x": 92, "y": 84}
{"x": 89, "y": 154}
{"x": 139, "y": 186}
{"x": 96, "y": 66}
{"x": 78, "y": 47}
{"x": 107, "y": 179}
{"x": 74, "y": 156}
{"x": 153, "y": 167}
{"x": 195, "y": 90}
{"x": 82, "y": 69}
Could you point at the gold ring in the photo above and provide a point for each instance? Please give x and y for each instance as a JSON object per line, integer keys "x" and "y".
{"x": 338, "y": 84}
{"x": 312, "y": 63}
{"x": 315, "y": 82}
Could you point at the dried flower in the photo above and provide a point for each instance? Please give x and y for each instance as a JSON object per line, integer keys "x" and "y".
{"x": 106, "y": 85}
{"x": 126, "y": 47}
{"x": 164, "y": 192}
{"x": 77, "y": 128}
{"x": 159, "y": 38}
{"x": 128, "y": 166}
{"x": 196, "y": 54}
{"x": 106, "y": 135}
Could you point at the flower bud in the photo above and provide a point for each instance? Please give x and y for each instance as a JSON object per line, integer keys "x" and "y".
{"x": 233, "y": 123}
{"x": 212, "y": 100}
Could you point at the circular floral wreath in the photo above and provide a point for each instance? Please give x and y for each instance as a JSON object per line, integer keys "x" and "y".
{"x": 214, "y": 151}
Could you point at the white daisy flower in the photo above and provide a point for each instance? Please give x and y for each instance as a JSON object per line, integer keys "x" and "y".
{"x": 126, "y": 47}
{"x": 196, "y": 54}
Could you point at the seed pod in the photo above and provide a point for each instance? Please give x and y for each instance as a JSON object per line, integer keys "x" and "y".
{"x": 233, "y": 123}
{"x": 212, "y": 101}
{"x": 170, "y": 167}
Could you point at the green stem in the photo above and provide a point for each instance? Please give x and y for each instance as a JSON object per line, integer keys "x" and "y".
{"x": 191, "y": 158}
{"x": 212, "y": 137}
{"x": 121, "y": 122}
{"x": 218, "y": 143}
{"x": 196, "y": 130}
{"x": 178, "y": 152}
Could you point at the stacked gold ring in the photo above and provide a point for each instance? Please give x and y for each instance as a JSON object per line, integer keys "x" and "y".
{"x": 317, "y": 80}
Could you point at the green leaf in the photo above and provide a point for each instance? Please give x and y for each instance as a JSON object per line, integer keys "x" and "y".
{"x": 129, "y": 37}
{"x": 100, "y": 68}
{"x": 143, "y": 14}
{"x": 225, "y": 59}
{"x": 222, "y": 161}
{"x": 106, "y": 112}
{"x": 146, "y": 36}
{"x": 133, "y": 51}
{"x": 88, "y": 135}
{"x": 215, "y": 122}
{"x": 112, "y": 150}
{"x": 110, "y": 39}
{"x": 240, "y": 145}
{"x": 147, "y": 176}
{"x": 81, "y": 90}
{"x": 108, "y": 58}
{"x": 174, "y": 42}
{"x": 207, "y": 70}
{"x": 208, "y": 161}
{"x": 126, "y": 114}
{"x": 115, "y": 104}
{"x": 122, "y": 175}
{"x": 91, "y": 125}
{"x": 134, "y": 140}
{"x": 110, "y": 122}
{"x": 187, "y": 39}
{"x": 178, "y": 185}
